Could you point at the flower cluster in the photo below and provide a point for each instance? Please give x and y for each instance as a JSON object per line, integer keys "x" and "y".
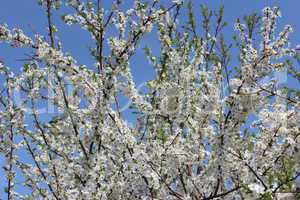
{"x": 191, "y": 137}
{"x": 16, "y": 37}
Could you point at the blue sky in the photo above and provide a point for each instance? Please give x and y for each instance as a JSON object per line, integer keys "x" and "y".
{"x": 27, "y": 15}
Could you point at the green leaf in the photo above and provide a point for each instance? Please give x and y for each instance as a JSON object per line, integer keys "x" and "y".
{"x": 250, "y": 146}
{"x": 270, "y": 178}
{"x": 191, "y": 16}
{"x": 266, "y": 196}
{"x": 161, "y": 135}
{"x": 174, "y": 42}
{"x": 26, "y": 67}
{"x": 224, "y": 24}
{"x": 94, "y": 77}
{"x": 245, "y": 189}
{"x": 147, "y": 51}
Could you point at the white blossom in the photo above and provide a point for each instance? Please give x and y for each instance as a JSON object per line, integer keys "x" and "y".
{"x": 200, "y": 130}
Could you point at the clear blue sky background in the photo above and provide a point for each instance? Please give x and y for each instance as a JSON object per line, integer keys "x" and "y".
{"x": 27, "y": 15}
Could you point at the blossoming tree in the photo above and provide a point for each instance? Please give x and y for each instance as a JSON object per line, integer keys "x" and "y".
{"x": 203, "y": 130}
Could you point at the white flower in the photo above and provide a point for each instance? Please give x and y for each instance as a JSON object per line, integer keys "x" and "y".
{"x": 178, "y": 2}
{"x": 256, "y": 188}
{"x": 181, "y": 134}
{"x": 234, "y": 83}
{"x": 72, "y": 2}
{"x": 4, "y": 33}
{"x": 69, "y": 19}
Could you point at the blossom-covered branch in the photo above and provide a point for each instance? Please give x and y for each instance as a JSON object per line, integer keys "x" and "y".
{"x": 203, "y": 130}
